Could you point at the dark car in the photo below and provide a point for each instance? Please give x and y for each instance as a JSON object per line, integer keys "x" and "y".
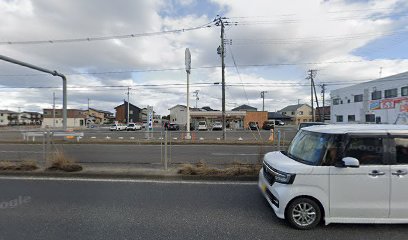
{"x": 253, "y": 126}
{"x": 268, "y": 125}
{"x": 173, "y": 127}
{"x": 308, "y": 124}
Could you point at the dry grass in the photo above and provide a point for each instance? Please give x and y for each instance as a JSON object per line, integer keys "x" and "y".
{"x": 234, "y": 169}
{"x": 26, "y": 165}
{"x": 60, "y": 161}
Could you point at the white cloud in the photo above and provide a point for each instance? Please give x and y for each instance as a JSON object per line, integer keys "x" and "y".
{"x": 269, "y": 32}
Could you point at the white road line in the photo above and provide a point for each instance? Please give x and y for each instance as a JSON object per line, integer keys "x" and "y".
{"x": 69, "y": 179}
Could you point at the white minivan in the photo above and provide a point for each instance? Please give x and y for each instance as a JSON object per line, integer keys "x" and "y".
{"x": 339, "y": 174}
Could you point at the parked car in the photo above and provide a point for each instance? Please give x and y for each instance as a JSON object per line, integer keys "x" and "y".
{"x": 253, "y": 126}
{"x": 217, "y": 126}
{"x": 202, "y": 126}
{"x": 270, "y": 124}
{"x": 133, "y": 127}
{"x": 173, "y": 127}
{"x": 339, "y": 174}
{"x": 308, "y": 124}
{"x": 118, "y": 127}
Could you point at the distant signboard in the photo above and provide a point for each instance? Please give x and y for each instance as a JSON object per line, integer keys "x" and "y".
{"x": 150, "y": 117}
{"x": 404, "y": 105}
{"x": 388, "y": 104}
{"x": 375, "y": 105}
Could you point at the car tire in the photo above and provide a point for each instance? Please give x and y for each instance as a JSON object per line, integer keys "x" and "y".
{"x": 303, "y": 213}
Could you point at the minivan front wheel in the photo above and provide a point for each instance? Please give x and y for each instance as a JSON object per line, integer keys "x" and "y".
{"x": 303, "y": 213}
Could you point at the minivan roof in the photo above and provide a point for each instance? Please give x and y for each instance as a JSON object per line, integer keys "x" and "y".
{"x": 358, "y": 128}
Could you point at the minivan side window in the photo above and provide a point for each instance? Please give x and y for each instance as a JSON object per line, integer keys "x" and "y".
{"x": 401, "y": 145}
{"x": 368, "y": 150}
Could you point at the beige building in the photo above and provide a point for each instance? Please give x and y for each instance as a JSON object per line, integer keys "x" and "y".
{"x": 75, "y": 118}
{"x": 298, "y": 113}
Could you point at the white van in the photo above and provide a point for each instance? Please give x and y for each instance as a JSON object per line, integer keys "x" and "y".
{"x": 340, "y": 174}
{"x": 202, "y": 126}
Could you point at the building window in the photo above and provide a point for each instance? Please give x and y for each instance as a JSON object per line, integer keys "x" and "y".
{"x": 130, "y": 111}
{"x": 341, "y": 101}
{"x": 376, "y": 95}
{"x": 351, "y": 118}
{"x": 358, "y": 98}
{"x": 404, "y": 91}
{"x": 391, "y": 93}
{"x": 300, "y": 112}
{"x": 348, "y": 100}
{"x": 293, "y": 113}
{"x": 336, "y": 101}
{"x": 370, "y": 118}
{"x": 339, "y": 118}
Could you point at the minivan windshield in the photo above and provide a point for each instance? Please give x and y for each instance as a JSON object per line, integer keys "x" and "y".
{"x": 308, "y": 147}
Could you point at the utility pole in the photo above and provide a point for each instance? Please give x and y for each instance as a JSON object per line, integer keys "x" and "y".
{"x": 53, "y": 109}
{"x": 128, "y": 89}
{"x": 188, "y": 71}
{"x": 221, "y": 51}
{"x": 323, "y": 93}
{"x": 263, "y": 100}
{"x": 87, "y": 121}
{"x": 311, "y": 76}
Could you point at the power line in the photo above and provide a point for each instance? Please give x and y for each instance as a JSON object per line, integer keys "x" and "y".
{"x": 239, "y": 75}
{"x": 202, "y": 67}
{"x": 103, "y": 38}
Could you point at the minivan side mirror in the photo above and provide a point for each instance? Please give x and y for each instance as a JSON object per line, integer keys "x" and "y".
{"x": 349, "y": 162}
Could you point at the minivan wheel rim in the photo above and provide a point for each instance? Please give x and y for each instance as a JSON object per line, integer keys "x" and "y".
{"x": 304, "y": 214}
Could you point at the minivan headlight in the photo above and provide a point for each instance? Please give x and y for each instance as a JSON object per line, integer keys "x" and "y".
{"x": 286, "y": 178}
{"x": 279, "y": 176}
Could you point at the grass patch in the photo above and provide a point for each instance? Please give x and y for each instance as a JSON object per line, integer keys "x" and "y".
{"x": 234, "y": 169}
{"x": 60, "y": 161}
{"x": 26, "y": 165}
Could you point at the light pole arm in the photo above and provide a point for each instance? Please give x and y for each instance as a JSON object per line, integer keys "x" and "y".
{"x": 54, "y": 73}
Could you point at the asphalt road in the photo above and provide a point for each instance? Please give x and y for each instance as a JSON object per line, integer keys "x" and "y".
{"x": 38, "y": 209}
{"x": 140, "y": 154}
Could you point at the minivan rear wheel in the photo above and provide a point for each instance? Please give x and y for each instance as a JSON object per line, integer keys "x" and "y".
{"x": 303, "y": 213}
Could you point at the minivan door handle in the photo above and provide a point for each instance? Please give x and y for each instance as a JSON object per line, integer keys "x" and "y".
{"x": 376, "y": 173}
{"x": 400, "y": 173}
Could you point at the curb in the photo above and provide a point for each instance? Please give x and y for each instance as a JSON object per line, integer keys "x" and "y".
{"x": 147, "y": 176}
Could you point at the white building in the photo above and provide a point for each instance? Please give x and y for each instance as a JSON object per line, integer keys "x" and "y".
{"x": 5, "y": 116}
{"x": 384, "y": 100}
{"x": 178, "y": 114}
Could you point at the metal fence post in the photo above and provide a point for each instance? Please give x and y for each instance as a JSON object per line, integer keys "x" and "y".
{"x": 279, "y": 140}
{"x": 165, "y": 150}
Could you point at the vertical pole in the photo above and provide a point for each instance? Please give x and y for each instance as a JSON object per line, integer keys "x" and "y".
{"x": 223, "y": 80}
{"x": 311, "y": 93}
{"x": 324, "y": 91}
{"x": 165, "y": 150}
{"x": 53, "y": 110}
{"x": 128, "y": 106}
{"x": 188, "y": 136}
{"x": 64, "y": 101}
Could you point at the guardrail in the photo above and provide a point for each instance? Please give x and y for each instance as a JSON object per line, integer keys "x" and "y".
{"x": 45, "y": 134}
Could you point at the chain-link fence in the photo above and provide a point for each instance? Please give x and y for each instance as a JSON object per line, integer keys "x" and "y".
{"x": 153, "y": 149}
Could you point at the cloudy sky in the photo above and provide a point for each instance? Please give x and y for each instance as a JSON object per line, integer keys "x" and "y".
{"x": 274, "y": 44}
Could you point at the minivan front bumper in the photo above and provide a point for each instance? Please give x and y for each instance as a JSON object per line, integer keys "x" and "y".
{"x": 277, "y": 194}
